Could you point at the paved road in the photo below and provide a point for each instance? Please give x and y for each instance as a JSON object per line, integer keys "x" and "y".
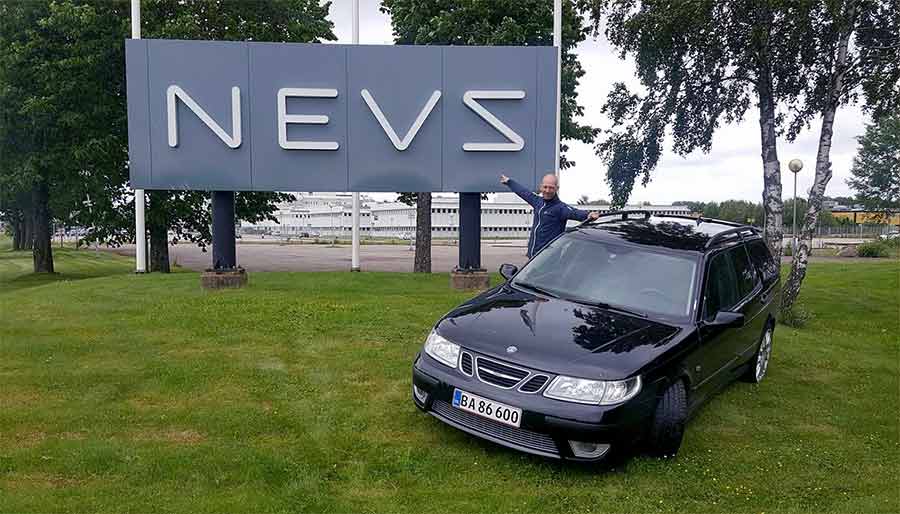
{"x": 307, "y": 257}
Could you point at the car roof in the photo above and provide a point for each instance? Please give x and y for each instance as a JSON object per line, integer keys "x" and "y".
{"x": 673, "y": 232}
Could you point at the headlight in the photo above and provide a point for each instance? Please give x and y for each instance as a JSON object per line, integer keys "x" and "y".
{"x": 442, "y": 350}
{"x": 599, "y": 392}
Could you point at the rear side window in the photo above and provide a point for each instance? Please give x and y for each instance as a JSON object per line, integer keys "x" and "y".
{"x": 731, "y": 278}
{"x": 745, "y": 273}
{"x": 763, "y": 261}
{"x": 721, "y": 285}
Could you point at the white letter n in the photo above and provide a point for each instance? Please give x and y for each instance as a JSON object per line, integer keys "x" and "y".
{"x": 233, "y": 141}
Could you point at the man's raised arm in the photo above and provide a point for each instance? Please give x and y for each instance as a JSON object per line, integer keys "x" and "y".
{"x": 580, "y": 215}
{"x": 532, "y": 199}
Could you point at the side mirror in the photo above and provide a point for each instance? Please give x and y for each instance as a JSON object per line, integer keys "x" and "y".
{"x": 508, "y": 270}
{"x": 727, "y": 319}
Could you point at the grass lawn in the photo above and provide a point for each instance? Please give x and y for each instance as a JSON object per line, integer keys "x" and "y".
{"x": 125, "y": 393}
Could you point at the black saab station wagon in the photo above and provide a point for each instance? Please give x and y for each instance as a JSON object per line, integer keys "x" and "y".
{"x": 613, "y": 334}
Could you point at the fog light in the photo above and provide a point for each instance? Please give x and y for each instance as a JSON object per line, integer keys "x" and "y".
{"x": 419, "y": 394}
{"x": 588, "y": 450}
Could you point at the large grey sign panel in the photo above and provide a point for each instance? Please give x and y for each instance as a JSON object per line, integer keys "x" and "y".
{"x": 307, "y": 117}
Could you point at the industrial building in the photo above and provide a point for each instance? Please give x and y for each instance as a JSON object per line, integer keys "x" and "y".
{"x": 503, "y": 216}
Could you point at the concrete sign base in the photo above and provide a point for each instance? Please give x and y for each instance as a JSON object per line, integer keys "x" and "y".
{"x": 466, "y": 280}
{"x": 224, "y": 279}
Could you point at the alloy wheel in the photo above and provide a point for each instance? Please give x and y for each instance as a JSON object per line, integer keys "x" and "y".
{"x": 762, "y": 358}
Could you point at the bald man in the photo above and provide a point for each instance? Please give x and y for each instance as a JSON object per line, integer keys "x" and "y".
{"x": 550, "y": 213}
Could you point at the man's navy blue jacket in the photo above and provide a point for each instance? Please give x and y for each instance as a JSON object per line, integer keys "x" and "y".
{"x": 550, "y": 217}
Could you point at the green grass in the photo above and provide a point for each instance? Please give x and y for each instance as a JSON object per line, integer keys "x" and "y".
{"x": 126, "y": 393}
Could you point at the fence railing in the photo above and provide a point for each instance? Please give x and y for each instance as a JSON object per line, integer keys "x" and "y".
{"x": 850, "y": 231}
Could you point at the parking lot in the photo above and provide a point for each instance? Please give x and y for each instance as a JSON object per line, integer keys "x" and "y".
{"x": 270, "y": 255}
{"x": 322, "y": 257}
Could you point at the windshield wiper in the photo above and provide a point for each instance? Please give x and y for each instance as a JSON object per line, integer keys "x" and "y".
{"x": 604, "y": 305}
{"x": 535, "y": 288}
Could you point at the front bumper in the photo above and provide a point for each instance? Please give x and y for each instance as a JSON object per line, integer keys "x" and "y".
{"x": 547, "y": 425}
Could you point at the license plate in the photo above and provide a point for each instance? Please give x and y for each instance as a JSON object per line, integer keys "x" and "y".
{"x": 487, "y": 408}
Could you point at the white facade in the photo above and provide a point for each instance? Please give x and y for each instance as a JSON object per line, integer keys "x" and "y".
{"x": 505, "y": 216}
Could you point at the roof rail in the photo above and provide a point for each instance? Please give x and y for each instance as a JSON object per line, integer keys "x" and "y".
{"x": 701, "y": 219}
{"x": 619, "y": 216}
{"x": 725, "y": 234}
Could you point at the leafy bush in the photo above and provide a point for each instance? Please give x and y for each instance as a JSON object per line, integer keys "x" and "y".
{"x": 873, "y": 249}
{"x": 893, "y": 242}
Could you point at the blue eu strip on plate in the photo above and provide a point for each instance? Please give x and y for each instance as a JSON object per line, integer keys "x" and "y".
{"x": 456, "y": 395}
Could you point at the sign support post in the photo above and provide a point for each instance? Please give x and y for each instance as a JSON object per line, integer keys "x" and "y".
{"x": 140, "y": 231}
{"x": 469, "y": 274}
{"x": 224, "y": 272}
{"x": 354, "y": 261}
{"x": 223, "y": 252}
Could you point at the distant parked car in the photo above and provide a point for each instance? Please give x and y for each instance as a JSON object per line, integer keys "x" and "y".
{"x": 406, "y": 236}
{"x": 644, "y": 321}
{"x": 890, "y": 235}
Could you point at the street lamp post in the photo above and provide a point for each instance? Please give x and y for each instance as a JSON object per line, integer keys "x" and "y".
{"x": 795, "y": 166}
{"x": 452, "y": 226}
{"x": 411, "y": 237}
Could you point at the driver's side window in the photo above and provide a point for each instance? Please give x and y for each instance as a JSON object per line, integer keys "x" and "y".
{"x": 721, "y": 286}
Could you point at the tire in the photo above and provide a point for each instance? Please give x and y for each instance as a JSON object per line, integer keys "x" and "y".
{"x": 667, "y": 430}
{"x": 759, "y": 364}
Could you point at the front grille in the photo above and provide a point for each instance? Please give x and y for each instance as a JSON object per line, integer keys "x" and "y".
{"x": 499, "y": 374}
{"x": 534, "y": 384}
{"x": 465, "y": 363}
{"x": 516, "y": 436}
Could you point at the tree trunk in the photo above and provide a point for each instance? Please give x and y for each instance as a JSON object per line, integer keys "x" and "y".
{"x": 28, "y": 228}
{"x": 18, "y": 230}
{"x": 771, "y": 197}
{"x": 158, "y": 227}
{"x": 159, "y": 249}
{"x": 42, "y": 252}
{"x": 423, "y": 233}
{"x": 823, "y": 167}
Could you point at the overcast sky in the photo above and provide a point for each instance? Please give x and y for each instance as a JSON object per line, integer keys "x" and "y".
{"x": 732, "y": 170}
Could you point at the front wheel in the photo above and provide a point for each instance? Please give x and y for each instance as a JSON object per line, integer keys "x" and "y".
{"x": 760, "y": 363}
{"x": 667, "y": 430}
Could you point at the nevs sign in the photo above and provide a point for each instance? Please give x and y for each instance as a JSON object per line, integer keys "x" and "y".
{"x": 233, "y": 140}
{"x": 295, "y": 117}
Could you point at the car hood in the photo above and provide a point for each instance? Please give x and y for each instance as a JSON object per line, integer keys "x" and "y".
{"x": 555, "y": 335}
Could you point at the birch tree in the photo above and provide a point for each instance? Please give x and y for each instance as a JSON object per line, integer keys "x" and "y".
{"x": 857, "y": 53}
{"x": 702, "y": 64}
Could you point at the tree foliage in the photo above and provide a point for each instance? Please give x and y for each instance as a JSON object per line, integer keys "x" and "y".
{"x": 704, "y": 64}
{"x": 57, "y": 125}
{"x": 876, "y": 167}
{"x": 63, "y": 126}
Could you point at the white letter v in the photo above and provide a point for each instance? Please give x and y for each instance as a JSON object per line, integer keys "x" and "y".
{"x": 386, "y": 125}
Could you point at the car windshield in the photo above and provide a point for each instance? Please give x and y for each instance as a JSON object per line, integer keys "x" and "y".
{"x": 624, "y": 276}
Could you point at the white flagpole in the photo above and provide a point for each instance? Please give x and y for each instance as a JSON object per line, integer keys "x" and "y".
{"x": 557, "y": 42}
{"x": 140, "y": 232}
{"x": 354, "y": 262}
